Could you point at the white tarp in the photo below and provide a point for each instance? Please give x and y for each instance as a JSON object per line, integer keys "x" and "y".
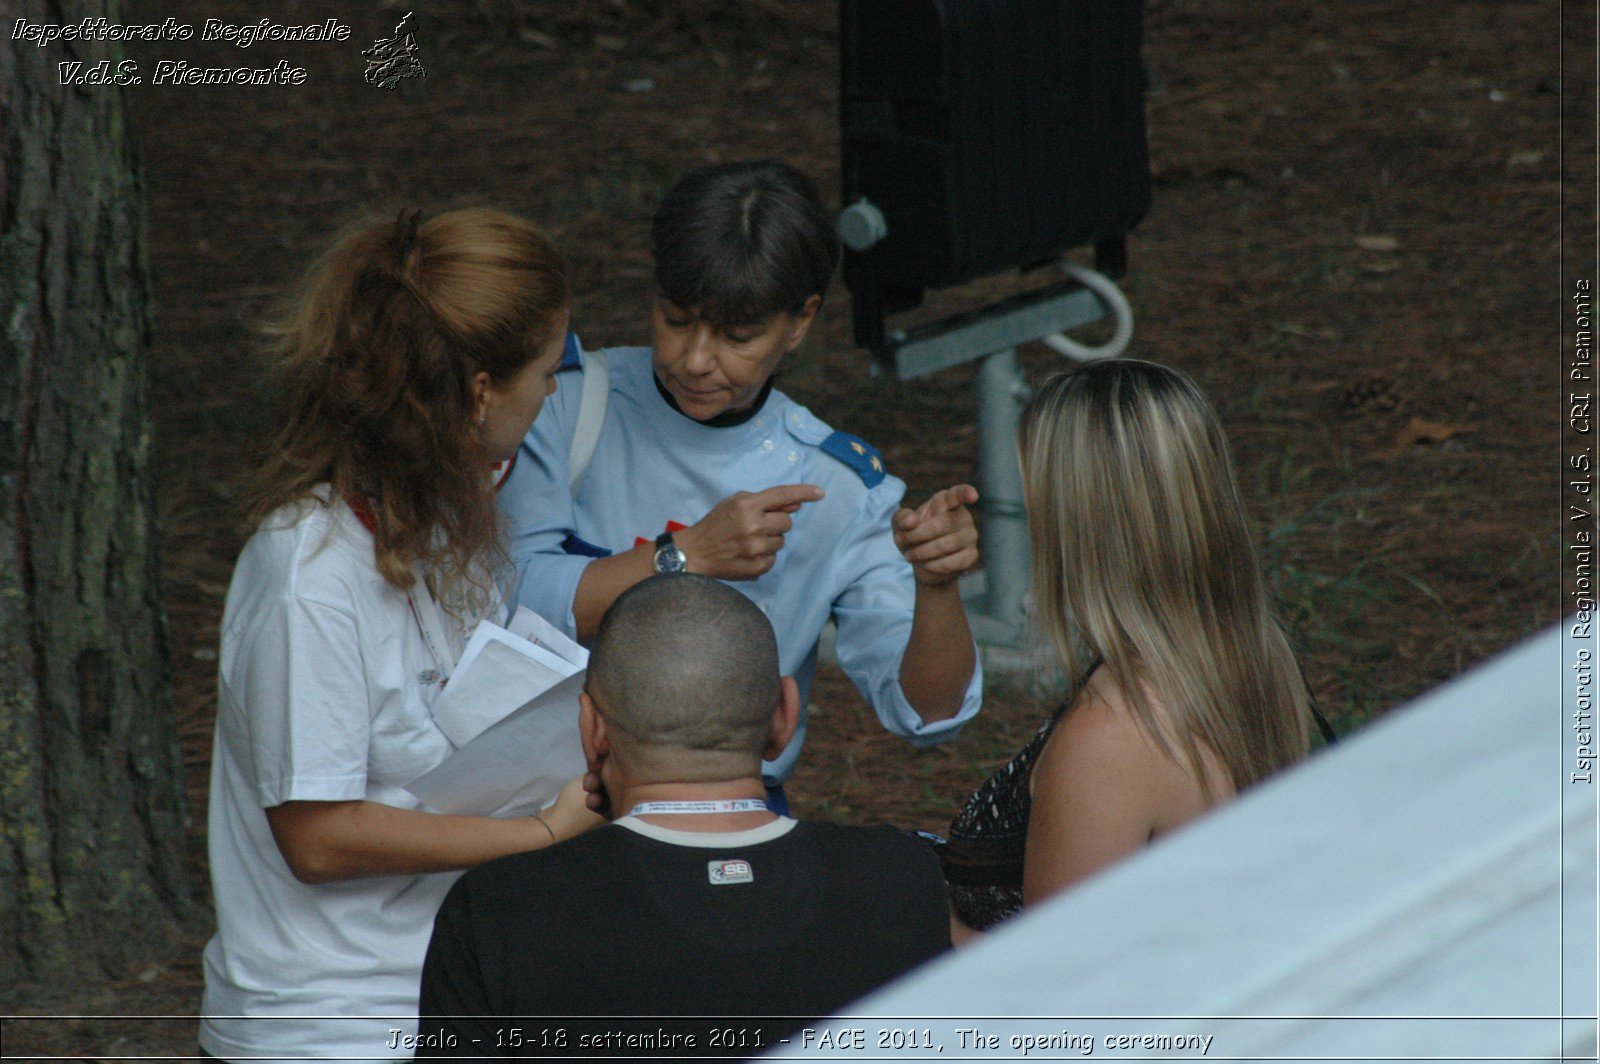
{"x": 1425, "y": 890}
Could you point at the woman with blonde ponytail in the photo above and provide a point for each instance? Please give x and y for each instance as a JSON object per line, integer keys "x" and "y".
{"x": 413, "y": 360}
{"x": 1182, "y": 688}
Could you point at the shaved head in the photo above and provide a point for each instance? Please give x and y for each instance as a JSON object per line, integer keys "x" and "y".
{"x": 686, "y": 662}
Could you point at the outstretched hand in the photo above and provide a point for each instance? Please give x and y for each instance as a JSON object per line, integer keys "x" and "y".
{"x": 939, "y": 538}
{"x": 741, "y": 537}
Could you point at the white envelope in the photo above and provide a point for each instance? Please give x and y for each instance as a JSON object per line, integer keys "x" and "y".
{"x": 498, "y": 672}
{"x": 516, "y": 766}
{"x": 535, "y": 629}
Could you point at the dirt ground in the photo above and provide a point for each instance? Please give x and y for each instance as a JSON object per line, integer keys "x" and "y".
{"x": 1353, "y": 247}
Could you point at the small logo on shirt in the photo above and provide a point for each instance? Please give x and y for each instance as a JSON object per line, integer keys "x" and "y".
{"x": 723, "y": 873}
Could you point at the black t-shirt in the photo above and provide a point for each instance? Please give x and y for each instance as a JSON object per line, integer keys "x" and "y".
{"x": 617, "y": 924}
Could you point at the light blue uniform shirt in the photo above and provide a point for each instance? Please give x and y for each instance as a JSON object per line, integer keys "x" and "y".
{"x": 653, "y": 465}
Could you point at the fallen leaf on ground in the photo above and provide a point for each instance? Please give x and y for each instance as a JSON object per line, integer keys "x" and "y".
{"x": 1377, "y": 243}
{"x": 1292, "y": 328}
{"x": 1420, "y": 430}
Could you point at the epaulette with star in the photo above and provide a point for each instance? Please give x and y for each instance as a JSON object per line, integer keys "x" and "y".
{"x": 858, "y": 454}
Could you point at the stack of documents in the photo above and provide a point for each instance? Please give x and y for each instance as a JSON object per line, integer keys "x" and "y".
{"x": 511, "y": 709}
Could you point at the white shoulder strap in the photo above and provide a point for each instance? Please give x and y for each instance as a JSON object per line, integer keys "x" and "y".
{"x": 591, "y": 416}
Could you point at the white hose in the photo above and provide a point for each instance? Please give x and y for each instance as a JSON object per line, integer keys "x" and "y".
{"x": 1112, "y": 296}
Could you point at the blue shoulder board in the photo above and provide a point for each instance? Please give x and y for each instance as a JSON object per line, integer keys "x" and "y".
{"x": 858, "y": 454}
{"x": 571, "y": 357}
{"x": 573, "y": 545}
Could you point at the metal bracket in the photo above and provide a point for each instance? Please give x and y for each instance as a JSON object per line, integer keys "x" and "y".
{"x": 996, "y": 601}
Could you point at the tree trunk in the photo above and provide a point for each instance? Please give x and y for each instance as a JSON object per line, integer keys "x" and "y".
{"x": 92, "y": 878}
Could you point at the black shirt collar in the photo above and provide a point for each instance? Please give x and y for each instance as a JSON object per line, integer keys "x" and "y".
{"x": 728, "y": 419}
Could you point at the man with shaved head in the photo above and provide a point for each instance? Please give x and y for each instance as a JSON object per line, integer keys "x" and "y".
{"x": 697, "y": 900}
{"x": 689, "y": 670}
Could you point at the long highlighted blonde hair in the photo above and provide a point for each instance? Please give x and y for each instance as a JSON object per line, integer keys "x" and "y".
{"x": 1143, "y": 561}
{"x": 376, "y": 353}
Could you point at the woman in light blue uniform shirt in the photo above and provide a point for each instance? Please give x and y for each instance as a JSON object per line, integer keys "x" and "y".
{"x": 700, "y": 463}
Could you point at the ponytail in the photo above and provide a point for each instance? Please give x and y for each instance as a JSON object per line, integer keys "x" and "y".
{"x": 376, "y": 352}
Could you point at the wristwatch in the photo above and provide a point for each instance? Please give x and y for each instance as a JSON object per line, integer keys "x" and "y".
{"x": 669, "y": 559}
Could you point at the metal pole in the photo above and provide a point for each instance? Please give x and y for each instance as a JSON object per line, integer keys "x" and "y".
{"x": 1005, "y": 525}
{"x": 995, "y": 595}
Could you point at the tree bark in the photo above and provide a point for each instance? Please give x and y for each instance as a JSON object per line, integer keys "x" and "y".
{"x": 92, "y": 878}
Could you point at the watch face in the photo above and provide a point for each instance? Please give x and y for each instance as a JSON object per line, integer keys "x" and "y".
{"x": 669, "y": 559}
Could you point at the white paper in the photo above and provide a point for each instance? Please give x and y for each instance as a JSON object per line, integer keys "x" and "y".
{"x": 515, "y": 767}
{"x": 535, "y": 629}
{"x": 498, "y": 672}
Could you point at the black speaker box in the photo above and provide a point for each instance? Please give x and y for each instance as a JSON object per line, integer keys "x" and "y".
{"x": 991, "y": 134}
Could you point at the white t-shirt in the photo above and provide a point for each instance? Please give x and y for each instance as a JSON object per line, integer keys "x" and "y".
{"x": 322, "y": 696}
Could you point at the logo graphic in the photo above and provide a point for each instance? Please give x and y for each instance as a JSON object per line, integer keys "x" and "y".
{"x": 724, "y": 873}
{"x": 392, "y": 60}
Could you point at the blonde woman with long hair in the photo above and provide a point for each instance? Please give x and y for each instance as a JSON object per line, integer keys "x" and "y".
{"x": 1182, "y": 688}
{"x": 414, "y": 358}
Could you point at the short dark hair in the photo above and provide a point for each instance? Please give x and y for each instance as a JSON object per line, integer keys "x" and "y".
{"x": 682, "y": 660}
{"x": 743, "y": 241}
